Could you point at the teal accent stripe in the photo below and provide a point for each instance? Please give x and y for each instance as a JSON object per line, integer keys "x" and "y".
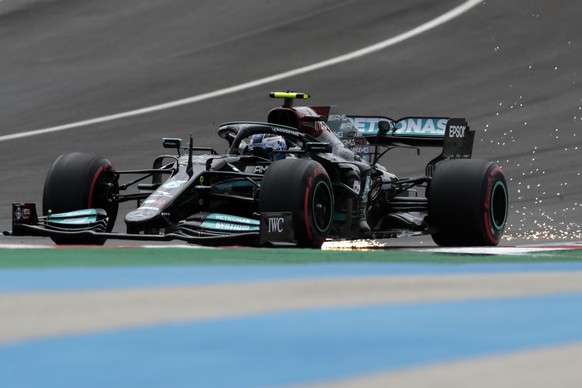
{"x": 232, "y": 219}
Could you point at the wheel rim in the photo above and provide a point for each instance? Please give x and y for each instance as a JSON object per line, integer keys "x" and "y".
{"x": 322, "y": 206}
{"x": 498, "y": 205}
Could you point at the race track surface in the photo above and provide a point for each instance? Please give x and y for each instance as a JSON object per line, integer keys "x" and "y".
{"x": 511, "y": 68}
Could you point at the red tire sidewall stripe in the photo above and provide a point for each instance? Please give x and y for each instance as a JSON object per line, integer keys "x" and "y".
{"x": 312, "y": 236}
{"x": 93, "y": 184}
{"x": 306, "y": 209}
{"x": 487, "y": 205}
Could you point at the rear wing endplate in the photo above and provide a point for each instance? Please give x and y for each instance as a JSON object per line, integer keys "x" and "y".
{"x": 457, "y": 143}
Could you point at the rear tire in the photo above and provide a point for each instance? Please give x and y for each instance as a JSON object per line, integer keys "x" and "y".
{"x": 468, "y": 203}
{"x": 302, "y": 187}
{"x": 79, "y": 181}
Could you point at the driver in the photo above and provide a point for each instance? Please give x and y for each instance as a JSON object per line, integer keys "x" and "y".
{"x": 266, "y": 145}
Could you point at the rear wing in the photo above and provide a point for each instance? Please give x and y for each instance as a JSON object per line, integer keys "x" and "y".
{"x": 414, "y": 131}
{"x": 358, "y": 133}
{"x": 452, "y": 134}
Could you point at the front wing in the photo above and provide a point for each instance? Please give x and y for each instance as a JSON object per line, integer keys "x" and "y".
{"x": 211, "y": 229}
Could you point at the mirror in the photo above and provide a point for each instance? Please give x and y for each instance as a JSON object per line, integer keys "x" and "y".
{"x": 172, "y": 142}
{"x": 383, "y": 128}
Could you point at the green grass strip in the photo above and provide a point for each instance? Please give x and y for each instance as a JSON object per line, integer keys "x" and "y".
{"x": 110, "y": 257}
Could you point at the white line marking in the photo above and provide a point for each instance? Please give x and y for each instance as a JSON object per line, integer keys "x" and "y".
{"x": 444, "y": 18}
{"x": 495, "y": 250}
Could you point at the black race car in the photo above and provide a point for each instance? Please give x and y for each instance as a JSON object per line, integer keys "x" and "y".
{"x": 305, "y": 175}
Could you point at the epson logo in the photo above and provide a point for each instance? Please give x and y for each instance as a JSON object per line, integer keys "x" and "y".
{"x": 457, "y": 131}
{"x": 276, "y": 224}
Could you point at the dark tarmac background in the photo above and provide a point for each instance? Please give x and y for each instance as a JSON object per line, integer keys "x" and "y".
{"x": 511, "y": 68}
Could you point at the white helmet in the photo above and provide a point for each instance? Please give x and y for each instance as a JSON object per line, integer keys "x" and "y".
{"x": 265, "y": 145}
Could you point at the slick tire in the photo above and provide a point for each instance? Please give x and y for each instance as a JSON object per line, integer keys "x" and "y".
{"x": 468, "y": 203}
{"x": 302, "y": 187}
{"x": 80, "y": 181}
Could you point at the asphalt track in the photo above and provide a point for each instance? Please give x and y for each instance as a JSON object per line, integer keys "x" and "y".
{"x": 510, "y": 68}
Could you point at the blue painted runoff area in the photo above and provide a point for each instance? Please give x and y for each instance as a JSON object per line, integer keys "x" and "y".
{"x": 53, "y": 279}
{"x": 294, "y": 347}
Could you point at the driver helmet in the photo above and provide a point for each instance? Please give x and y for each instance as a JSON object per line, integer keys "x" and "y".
{"x": 264, "y": 145}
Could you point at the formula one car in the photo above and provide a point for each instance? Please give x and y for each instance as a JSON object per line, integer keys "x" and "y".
{"x": 305, "y": 175}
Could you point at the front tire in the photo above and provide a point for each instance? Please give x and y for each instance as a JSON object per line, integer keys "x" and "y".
{"x": 79, "y": 181}
{"x": 302, "y": 187}
{"x": 468, "y": 203}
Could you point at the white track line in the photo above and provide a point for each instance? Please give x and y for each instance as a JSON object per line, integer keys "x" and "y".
{"x": 444, "y": 18}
